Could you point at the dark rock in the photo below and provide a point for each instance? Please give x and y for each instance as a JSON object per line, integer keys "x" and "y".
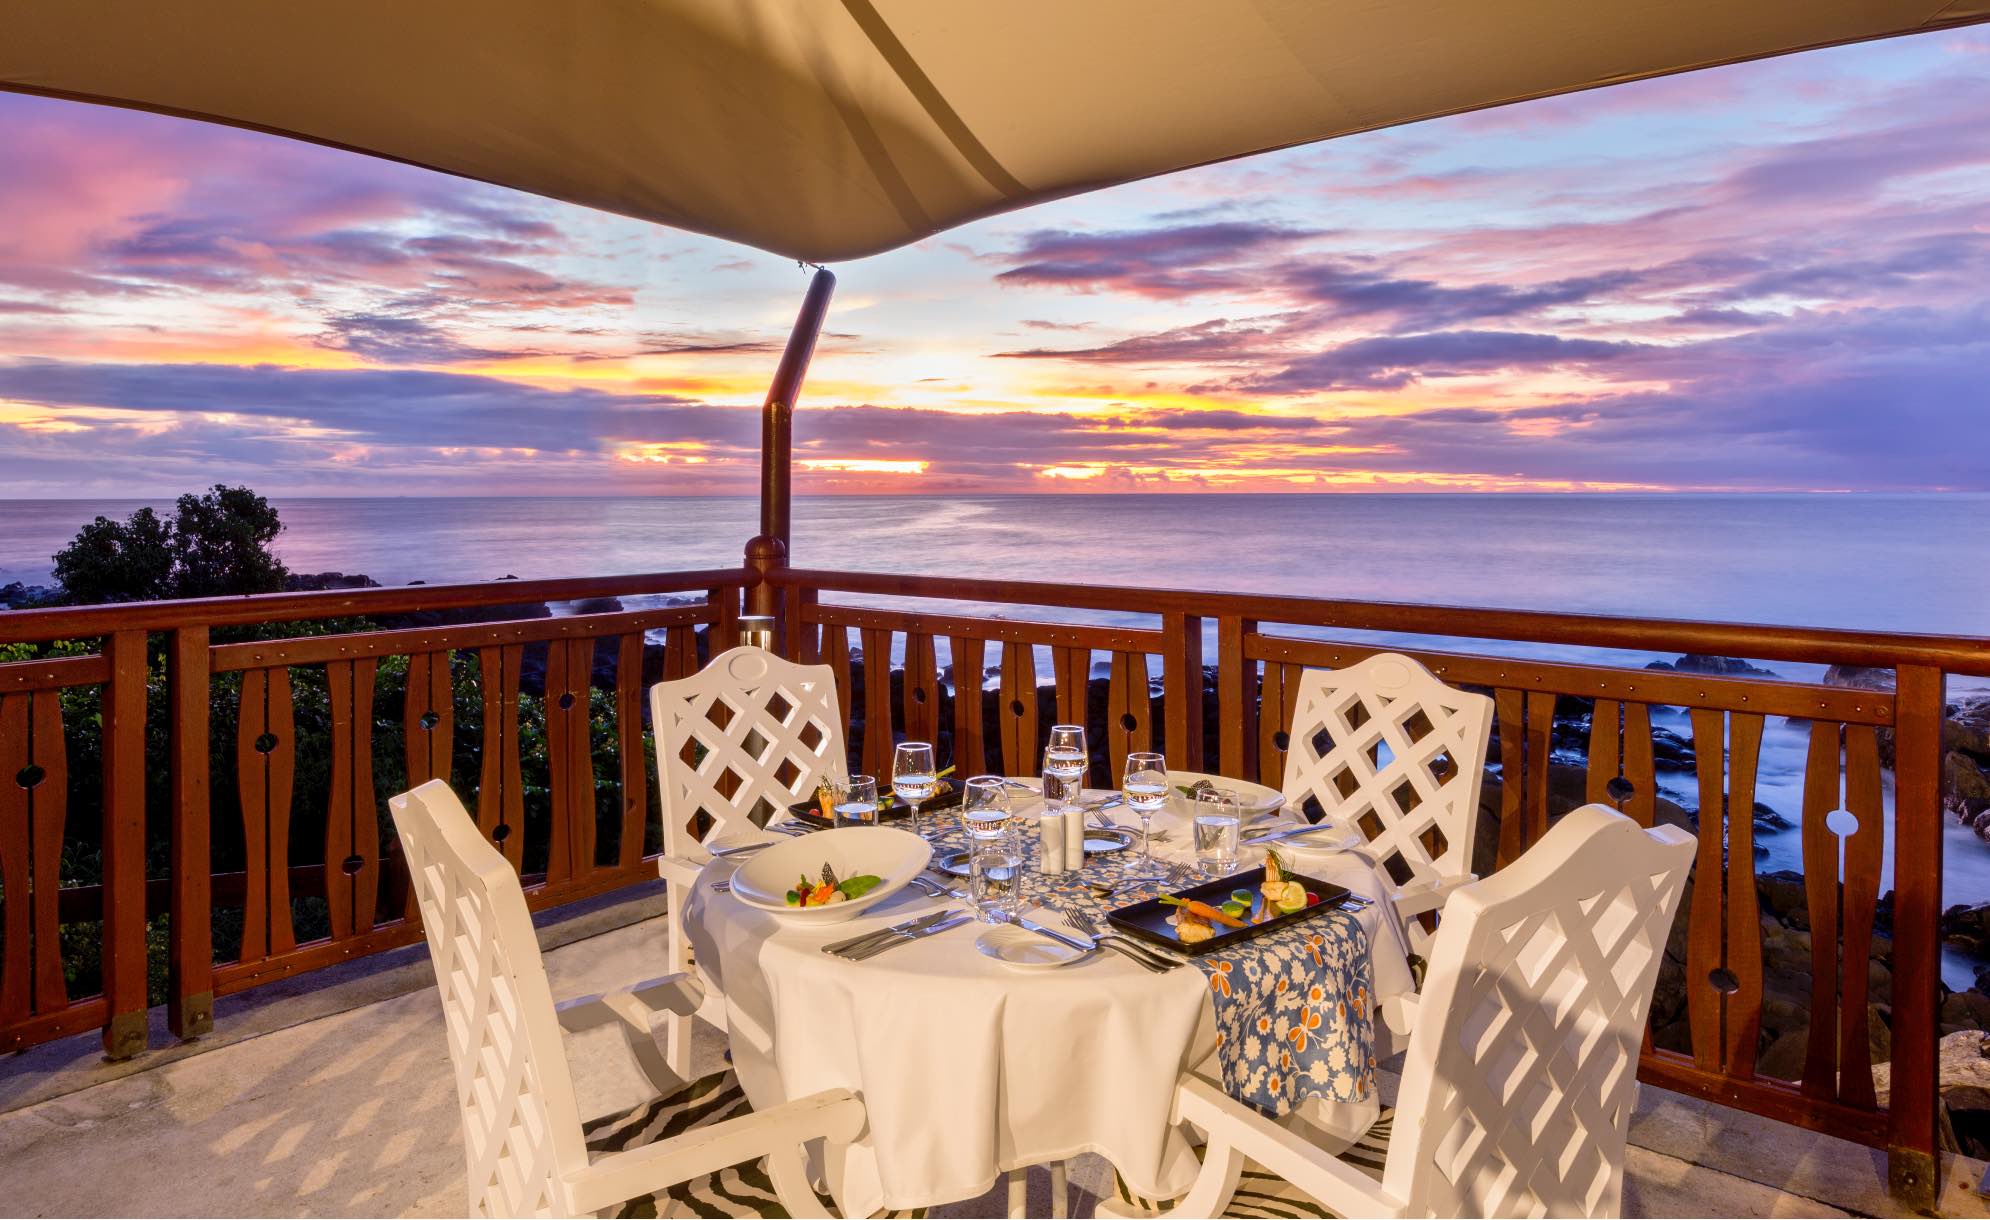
{"x": 1861, "y": 677}
{"x": 598, "y": 605}
{"x": 318, "y": 582}
{"x": 1768, "y": 819}
{"x": 1967, "y": 729}
{"x": 1670, "y": 751}
{"x": 1727, "y": 667}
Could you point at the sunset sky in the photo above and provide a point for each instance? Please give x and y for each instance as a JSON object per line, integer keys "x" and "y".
{"x": 1774, "y": 276}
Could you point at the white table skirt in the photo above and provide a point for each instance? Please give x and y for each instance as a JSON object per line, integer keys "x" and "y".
{"x": 969, "y": 1069}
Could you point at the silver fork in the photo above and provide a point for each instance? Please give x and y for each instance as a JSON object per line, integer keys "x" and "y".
{"x": 1083, "y": 921}
{"x": 1083, "y": 925}
{"x": 1179, "y": 874}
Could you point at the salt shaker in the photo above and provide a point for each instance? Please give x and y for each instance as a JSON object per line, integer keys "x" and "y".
{"x": 1050, "y": 841}
{"x": 1074, "y": 836}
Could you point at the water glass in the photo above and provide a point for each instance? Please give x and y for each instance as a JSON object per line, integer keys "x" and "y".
{"x": 855, "y": 801}
{"x": 995, "y": 877}
{"x": 1066, "y": 755}
{"x": 1218, "y": 827}
{"x": 984, "y": 808}
{"x": 912, "y": 776}
{"x": 1144, "y": 783}
{"x": 1064, "y": 767}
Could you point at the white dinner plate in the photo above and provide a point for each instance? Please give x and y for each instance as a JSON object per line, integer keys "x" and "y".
{"x": 1021, "y": 950}
{"x": 1258, "y": 800}
{"x": 895, "y": 856}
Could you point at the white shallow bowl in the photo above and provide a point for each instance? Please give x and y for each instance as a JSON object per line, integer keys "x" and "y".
{"x": 894, "y": 855}
{"x": 1256, "y": 800}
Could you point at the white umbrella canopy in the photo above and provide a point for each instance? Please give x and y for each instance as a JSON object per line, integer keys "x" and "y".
{"x": 832, "y": 129}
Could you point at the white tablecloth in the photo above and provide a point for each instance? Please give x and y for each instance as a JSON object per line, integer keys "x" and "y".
{"x": 968, "y": 1068}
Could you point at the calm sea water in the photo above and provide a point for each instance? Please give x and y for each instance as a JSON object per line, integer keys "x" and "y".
{"x": 1896, "y": 563}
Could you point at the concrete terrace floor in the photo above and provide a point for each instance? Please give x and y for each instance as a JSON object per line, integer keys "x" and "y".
{"x": 334, "y": 1096}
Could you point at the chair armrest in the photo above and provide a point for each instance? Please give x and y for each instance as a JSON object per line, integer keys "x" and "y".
{"x": 1337, "y": 1185}
{"x": 835, "y": 1115}
{"x": 634, "y": 1006}
{"x": 1416, "y": 899}
{"x": 680, "y": 869}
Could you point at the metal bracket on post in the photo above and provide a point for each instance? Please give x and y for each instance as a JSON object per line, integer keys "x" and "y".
{"x": 777, "y": 416}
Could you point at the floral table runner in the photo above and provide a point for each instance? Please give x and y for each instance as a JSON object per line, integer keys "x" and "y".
{"x": 1293, "y": 1008}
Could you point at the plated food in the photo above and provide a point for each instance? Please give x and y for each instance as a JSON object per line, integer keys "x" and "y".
{"x": 1209, "y": 916}
{"x": 830, "y": 875}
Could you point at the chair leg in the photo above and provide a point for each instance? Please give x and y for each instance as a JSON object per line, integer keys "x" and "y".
{"x": 1019, "y": 1194}
{"x": 1059, "y": 1187}
{"x": 676, "y": 1058}
{"x": 787, "y": 1170}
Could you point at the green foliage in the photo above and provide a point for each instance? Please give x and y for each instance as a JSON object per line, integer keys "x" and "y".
{"x": 216, "y": 544}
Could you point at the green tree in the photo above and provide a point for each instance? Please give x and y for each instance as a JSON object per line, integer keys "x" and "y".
{"x": 216, "y": 544}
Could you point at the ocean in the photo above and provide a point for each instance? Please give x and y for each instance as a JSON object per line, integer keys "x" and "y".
{"x": 1878, "y": 562}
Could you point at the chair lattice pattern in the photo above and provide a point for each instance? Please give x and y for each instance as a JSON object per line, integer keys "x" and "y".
{"x": 749, "y": 734}
{"x": 1540, "y": 999}
{"x": 512, "y": 1090}
{"x": 1385, "y": 747}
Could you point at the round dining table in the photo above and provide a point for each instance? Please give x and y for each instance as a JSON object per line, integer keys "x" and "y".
{"x": 970, "y": 1068}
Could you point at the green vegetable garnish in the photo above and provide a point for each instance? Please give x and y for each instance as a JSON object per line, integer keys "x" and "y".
{"x": 857, "y": 887}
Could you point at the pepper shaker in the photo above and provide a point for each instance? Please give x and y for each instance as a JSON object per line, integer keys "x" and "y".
{"x": 1074, "y": 835}
{"x": 1050, "y": 841}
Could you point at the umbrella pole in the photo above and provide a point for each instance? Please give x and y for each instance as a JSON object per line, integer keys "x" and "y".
{"x": 769, "y": 549}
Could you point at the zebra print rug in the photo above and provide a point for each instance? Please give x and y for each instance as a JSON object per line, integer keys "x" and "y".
{"x": 1260, "y": 1193}
{"x": 740, "y": 1190}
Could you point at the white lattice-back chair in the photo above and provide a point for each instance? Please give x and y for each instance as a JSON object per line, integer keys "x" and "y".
{"x": 521, "y": 1126}
{"x": 763, "y": 732}
{"x": 1521, "y": 1074}
{"x": 1389, "y": 750}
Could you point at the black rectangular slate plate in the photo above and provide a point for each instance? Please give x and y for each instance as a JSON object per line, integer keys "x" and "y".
{"x": 947, "y": 797}
{"x": 1149, "y": 920}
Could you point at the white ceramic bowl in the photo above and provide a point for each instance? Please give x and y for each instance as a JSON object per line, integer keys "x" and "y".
{"x": 1256, "y": 800}
{"x": 897, "y": 856}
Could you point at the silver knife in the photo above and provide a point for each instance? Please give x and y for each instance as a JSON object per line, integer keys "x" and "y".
{"x": 953, "y": 919}
{"x": 1290, "y": 833}
{"x": 722, "y": 852}
{"x": 1063, "y": 938}
{"x": 900, "y": 929}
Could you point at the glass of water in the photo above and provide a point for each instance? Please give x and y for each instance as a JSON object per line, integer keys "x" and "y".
{"x": 1218, "y": 826}
{"x": 995, "y": 863}
{"x": 1145, "y": 786}
{"x": 912, "y": 778}
{"x": 856, "y": 801}
{"x": 1064, "y": 762}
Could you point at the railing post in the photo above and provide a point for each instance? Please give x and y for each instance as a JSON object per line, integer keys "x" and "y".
{"x": 123, "y": 715}
{"x": 766, "y": 554}
{"x": 1181, "y": 686}
{"x": 190, "y": 991}
{"x": 1236, "y": 699}
{"x": 1912, "y": 1163}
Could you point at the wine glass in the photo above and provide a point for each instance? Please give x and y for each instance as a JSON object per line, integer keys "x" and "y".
{"x": 1145, "y": 786}
{"x": 856, "y": 801}
{"x": 1218, "y": 827}
{"x": 994, "y": 854}
{"x": 912, "y": 778}
{"x": 1064, "y": 765}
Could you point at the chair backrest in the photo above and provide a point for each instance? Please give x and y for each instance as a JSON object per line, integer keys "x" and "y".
{"x": 521, "y": 1129}
{"x": 1385, "y": 747}
{"x": 1518, "y": 1085}
{"x": 773, "y": 726}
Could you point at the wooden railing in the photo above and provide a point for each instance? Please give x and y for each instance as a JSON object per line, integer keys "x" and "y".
{"x": 295, "y": 902}
{"x": 1240, "y": 729}
{"x": 576, "y": 818}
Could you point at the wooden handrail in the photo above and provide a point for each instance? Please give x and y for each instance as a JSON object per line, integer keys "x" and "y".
{"x": 1757, "y": 641}
{"x": 75, "y": 622}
